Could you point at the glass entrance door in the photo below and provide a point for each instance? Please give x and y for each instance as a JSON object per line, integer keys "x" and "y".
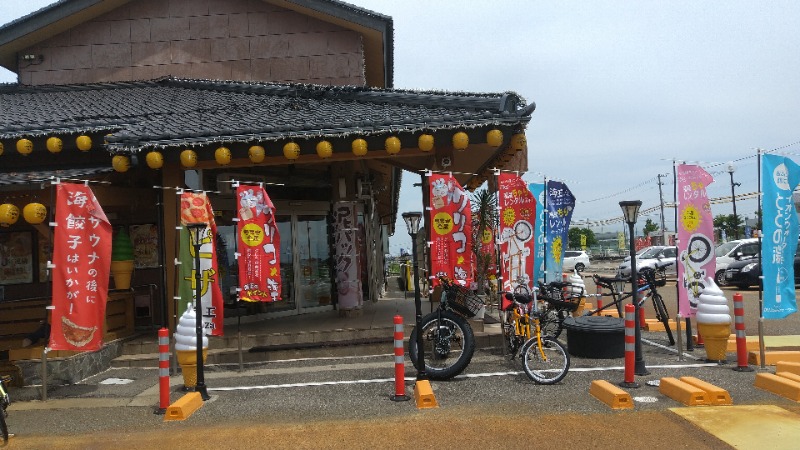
{"x": 312, "y": 262}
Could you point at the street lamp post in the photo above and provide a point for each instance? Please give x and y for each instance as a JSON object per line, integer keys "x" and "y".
{"x": 196, "y": 231}
{"x": 731, "y": 169}
{"x": 630, "y": 210}
{"x": 413, "y": 220}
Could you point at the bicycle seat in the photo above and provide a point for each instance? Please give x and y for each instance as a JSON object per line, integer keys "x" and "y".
{"x": 609, "y": 280}
{"x": 523, "y": 299}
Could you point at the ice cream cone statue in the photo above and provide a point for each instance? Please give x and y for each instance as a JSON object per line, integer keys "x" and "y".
{"x": 122, "y": 259}
{"x": 577, "y": 289}
{"x": 186, "y": 346}
{"x": 714, "y": 321}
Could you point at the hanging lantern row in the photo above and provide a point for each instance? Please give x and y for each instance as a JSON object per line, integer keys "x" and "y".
{"x": 34, "y": 214}
{"x": 53, "y": 144}
{"x": 324, "y": 149}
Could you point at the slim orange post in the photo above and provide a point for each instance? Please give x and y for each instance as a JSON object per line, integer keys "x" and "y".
{"x": 399, "y": 362}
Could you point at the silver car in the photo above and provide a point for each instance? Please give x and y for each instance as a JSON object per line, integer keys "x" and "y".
{"x": 649, "y": 258}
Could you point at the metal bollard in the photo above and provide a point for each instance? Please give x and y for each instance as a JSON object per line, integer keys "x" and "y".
{"x": 741, "y": 337}
{"x": 399, "y": 363}
{"x": 163, "y": 371}
{"x": 630, "y": 347}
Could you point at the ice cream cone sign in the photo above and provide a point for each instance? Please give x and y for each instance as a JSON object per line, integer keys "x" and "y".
{"x": 122, "y": 259}
{"x": 714, "y": 321}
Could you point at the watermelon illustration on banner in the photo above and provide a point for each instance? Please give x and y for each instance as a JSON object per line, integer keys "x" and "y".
{"x": 82, "y": 258}
{"x": 537, "y": 189}
{"x": 517, "y": 214}
{"x": 259, "y": 246}
{"x": 696, "y": 258}
{"x": 450, "y": 219}
{"x": 560, "y": 204}
{"x": 195, "y": 208}
{"x": 779, "y": 177}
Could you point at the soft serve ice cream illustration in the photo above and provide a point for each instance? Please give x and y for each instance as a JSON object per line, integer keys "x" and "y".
{"x": 186, "y": 346}
{"x": 713, "y": 321}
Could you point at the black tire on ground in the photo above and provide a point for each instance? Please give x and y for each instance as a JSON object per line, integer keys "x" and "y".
{"x": 719, "y": 278}
{"x": 580, "y": 267}
{"x": 3, "y": 428}
{"x": 449, "y": 345}
{"x": 551, "y": 371}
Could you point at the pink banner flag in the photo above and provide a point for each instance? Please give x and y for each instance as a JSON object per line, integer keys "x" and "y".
{"x": 696, "y": 259}
{"x": 517, "y": 214}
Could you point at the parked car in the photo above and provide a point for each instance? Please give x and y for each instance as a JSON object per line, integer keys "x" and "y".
{"x": 657, "y": 254}
{"x": 731, "y": 251}
{"x": 576, "y": 259}
{"x": 747, "y": 272}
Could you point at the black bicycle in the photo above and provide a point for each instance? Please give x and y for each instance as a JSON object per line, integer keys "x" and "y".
{"x": 447, "y": 336}
{"x": 5, "y": 400}
{"x": 557, "y": 301}
{"x": 650, "y": 279}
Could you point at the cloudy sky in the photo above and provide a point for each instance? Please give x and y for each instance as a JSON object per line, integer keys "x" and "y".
{"x": 622, "y": 88}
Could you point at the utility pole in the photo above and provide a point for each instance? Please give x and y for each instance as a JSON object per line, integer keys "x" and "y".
{"x": 661, "y": 196}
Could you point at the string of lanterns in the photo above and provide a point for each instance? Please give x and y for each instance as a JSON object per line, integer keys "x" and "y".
{"x": 33, "y": 213}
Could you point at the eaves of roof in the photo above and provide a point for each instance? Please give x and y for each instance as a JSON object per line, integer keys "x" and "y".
{"x": 173, "y": 112}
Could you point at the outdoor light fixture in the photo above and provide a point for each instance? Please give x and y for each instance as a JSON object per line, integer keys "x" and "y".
{"x": 731, "y": 169}
{"x": 413, "y": 220}
{"x": 196, "y": 231}
{"x": 630, "y": 210}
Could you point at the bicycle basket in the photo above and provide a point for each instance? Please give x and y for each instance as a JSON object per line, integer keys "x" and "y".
{"x": 559, "y": 297}
{"x": 462, "y": 301}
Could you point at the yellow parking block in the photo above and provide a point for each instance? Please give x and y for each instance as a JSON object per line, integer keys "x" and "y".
{"x": 747, "y": 426}
{"x": 611, "y": 395}
{"x": 423, "y": 394}
{"x": 789, "y": 376}
{"x": 778, "y": 385}
{"x": 184, "y": 407}
{"x": 788, "y": 366}
{"x": 716, "y": 395}
{"x": 772, "y": 357}
{"x": 683, "y": 392}
{"x": 655, "y": 325}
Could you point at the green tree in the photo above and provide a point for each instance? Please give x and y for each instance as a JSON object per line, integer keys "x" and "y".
{"x": 727, "y": 223}
{"x": 649, "y": 227}
{"x": 575, "y": 234}
{"x": 484, "y": 225}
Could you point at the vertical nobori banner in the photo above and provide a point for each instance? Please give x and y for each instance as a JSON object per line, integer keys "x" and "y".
{"x": 82, "y": 257}
{"x": 451, "y": 230}
{"x": 537, "y": 189}
{"x": 517, "y": 215}
{"x": 779, "y": 177}
{"x": 259, "y": 246}
{"x": 348, "y": 258}
{"x": 696, "y": 260}
{"x": 560, "y": 204}
{"x": 195, "y": 208}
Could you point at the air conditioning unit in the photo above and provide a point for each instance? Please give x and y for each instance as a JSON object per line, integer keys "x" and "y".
{"x": 225, "y": 182}
{"x": 364, "y": 189}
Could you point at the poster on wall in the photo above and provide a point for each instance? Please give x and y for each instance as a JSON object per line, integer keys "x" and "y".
{"x": 517, "y": 236}
{"x": 259, "y": 246}
{"x": 16, "y": 258}
{"x": 145, "y": 245}
{"x": 450, "y": 219}
{"x": 82, "y": 259}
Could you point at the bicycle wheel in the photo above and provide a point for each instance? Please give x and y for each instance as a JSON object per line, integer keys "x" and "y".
{"x": 3, "y": 428}
{"x": 547, "y": 365}
{"x": 699, "y": 249}
{"x": 552, "y": 322}
{"x": 662, "y": 315}
{"x": 449, "y": 345}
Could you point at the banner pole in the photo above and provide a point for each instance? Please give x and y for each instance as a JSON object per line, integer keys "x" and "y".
{"x": 544, "y": 228}
{"x": 498, "y": 257}
{"x": 761, "y": 346}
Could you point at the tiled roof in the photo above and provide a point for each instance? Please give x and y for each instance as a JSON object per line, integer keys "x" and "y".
{"x": 40, "y": 176}
{"x": 179, "y": 112}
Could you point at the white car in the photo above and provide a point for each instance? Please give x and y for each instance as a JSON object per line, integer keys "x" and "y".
{"x": 575, "y": 259}
{"x": 733, "y": 251}
{"x": 653, "y": 255}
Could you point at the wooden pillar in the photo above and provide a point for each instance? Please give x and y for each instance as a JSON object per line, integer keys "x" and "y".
{"x": 172, "y": 177}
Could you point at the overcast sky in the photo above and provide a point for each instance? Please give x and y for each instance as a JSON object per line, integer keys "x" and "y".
{"x": 622, "y": 88}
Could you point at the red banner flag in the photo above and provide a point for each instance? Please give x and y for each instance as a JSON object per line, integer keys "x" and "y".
{"x": 82, "y": 258}
{"x": 259, "y": 246}
{"x": 195, "y": 208}
{"x": 450, "y": 220}
{"x": 517, "y": 213}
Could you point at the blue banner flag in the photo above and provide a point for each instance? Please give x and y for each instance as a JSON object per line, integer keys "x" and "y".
{"x": 560, "y": 203}
{"x": 779, "y": 177}
{"x": 537, "y": 189}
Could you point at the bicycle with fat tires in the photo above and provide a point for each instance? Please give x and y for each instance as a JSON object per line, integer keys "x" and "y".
{"x": 447, "y": 337}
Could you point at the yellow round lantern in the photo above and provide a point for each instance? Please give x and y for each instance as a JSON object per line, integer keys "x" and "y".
{"x": 519, "y": 142}
{"x": 460, "y": 140}
{"x": 34, "y": 213}
{"x": 24, "y": 146}
{"x": 188, "y": 158}
{"x": 54, "y": 145}
{"x": 494, "y": 138}
{"x": 9, "y": 214}
{"x": 1, "y": 148}
{"x": 324, "y": 149}
{"x": 359, "y": 147}
{"x": 392, "y": 145}
{"x": 223, "y": 156}
{"x": 291, "y": 151}
{"x": 256, "y": 153}
{"x": 84, "y": 143}
{"x": 155, "y": 160}
{"x": 425, "y": 142}
{"x": 121, "y": 163}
